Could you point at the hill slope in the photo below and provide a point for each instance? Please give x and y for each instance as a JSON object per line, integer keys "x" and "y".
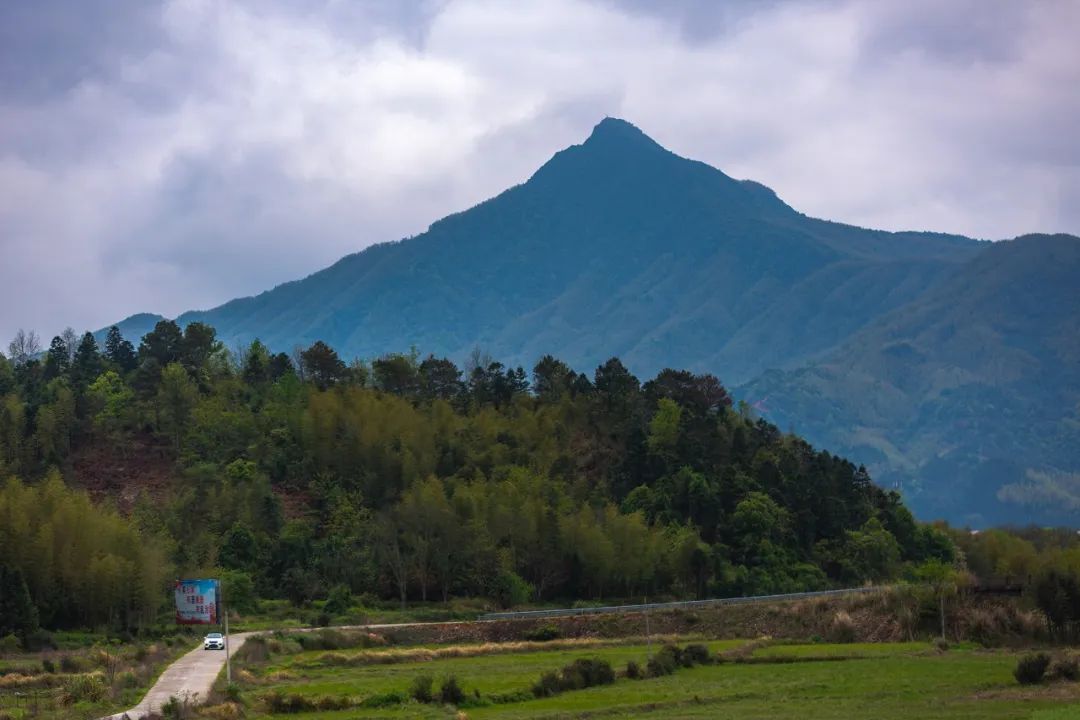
{"x": 620, "y": 247}
{"x": 968, "y": 397}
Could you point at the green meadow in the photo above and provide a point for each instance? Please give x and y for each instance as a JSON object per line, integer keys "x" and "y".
{"x": 750, "y": 680}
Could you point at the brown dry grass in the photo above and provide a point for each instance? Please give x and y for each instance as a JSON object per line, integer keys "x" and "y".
{"x": 411, "y": 655}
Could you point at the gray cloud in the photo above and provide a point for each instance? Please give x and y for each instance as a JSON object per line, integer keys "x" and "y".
{"x": 170, "y": 156}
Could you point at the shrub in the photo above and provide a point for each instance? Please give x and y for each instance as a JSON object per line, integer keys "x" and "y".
{"x": 696, "y": 655}
{"x": 510, "y": 589}
{"x": 387, "y": 699}
{"x": 664, "y": 662}
{"x": 84, "y": 687}
{"x": 633, "y": 670}
{"x": 255, "y": 650}
{"x": 941, "y": 644}
{"x": 843, "y": 628}
{"x": 224, "y": 711}
{"x": 547, "y": 685}
{"x": 232, "y": 693}
{"x": 70, "y": 664}
{"x": 1066, "y": 667}
{"x": 580, "y": 674}
{"x": 177, "y": 708}
{"x": 596, "y": 672}
{"x": 339, "y": 600}
{"x": 450, "y": 692}
{"x": 421, "y": 689}
{"x": 10, "y": 643}
{"x": 278, "y": 702}
{"x": 328, "y": 702}
{"x": 38, "y": 640}
{"x": 322, "y": 640}
{"x": 544, "y": 633}
{"x": 510, "y": 697}
{"x": 128, "y": 679}
{"x": 48, "y": 665}
{"x": 1031, "y": 668}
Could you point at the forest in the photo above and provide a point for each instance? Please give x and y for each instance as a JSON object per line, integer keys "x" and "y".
{"x": 300, "y": 475}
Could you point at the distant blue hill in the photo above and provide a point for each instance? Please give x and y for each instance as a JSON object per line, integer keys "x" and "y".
{"x": 856, "y": 338}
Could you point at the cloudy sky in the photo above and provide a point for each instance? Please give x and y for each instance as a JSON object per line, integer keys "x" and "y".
{"x": 164, "y": 156}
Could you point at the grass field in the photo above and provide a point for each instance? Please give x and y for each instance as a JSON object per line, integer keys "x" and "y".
{"x": 798, "y": 681}
{"x": 79, "y": 680}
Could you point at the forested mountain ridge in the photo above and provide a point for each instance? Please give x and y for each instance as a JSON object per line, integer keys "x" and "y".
{"x": 969, "y": 395}
{"x": 620, "y": 247}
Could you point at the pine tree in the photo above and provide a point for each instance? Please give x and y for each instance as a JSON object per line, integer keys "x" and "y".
{"x": 119, "y": 351}
{"x": 87, "y": 363}
{"x": 57, "y": 361}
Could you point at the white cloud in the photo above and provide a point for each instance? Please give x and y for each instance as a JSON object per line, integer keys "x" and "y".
{"x": 253, "y": 143}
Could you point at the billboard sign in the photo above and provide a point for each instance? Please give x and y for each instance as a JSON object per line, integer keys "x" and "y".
{"x": 198, "y": 602}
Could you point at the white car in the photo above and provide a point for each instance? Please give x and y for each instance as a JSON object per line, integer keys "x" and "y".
{"x": 214, "y": 641}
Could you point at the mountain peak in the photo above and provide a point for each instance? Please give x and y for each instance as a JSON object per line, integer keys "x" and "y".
{"x": 612, "y": 130}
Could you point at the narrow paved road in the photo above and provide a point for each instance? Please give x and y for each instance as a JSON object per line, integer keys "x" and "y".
{"x": 191, "y": 676}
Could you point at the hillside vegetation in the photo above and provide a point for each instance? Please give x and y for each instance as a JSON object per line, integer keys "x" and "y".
{"x": 970, "y": 396}
{"x": 413, "y": 480}
{"x": 937, "y": 361}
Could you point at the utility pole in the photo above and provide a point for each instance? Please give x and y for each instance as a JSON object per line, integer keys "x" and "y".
{"x": 228, "y": 659}
{"x": 648, "y": 633}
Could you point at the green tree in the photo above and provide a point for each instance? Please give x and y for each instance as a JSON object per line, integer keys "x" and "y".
{"x": 163, "y": 344}
{"x": 552, "y": 378}
{"x": 257, "y": 360}
{"x": 322, "y": 365}
{"x": 238, "y": 590}
{"x": 664, "y": 429}
{"x": 87, "y": 364}
{"x": 57, "y": 359}
{"x": 7, "y": 376}
{"x": 871, "y": 552}
{"x": 176, "y": 397}
{"x": 339, "y": 601}
{"x": 17, "y": 612}
{"x": 198, "y": 344}
{"x": 239, "y": 548}
{"x": 439, "y": 379}
{"x": 943, "y": 579}
{"x": 56, "y": 422}
{"x": 396, "y": 373}
{"x": 110, "y": 404}
{"x": 1057, "y": 594}
{"x": 120, "y": 352}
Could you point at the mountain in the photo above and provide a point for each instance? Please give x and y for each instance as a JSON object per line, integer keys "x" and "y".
{"x": 967, "y": 397}
{"x": 620, "y": 247}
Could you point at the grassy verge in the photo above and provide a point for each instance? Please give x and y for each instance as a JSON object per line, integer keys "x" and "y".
{"x": 81, "y": 681}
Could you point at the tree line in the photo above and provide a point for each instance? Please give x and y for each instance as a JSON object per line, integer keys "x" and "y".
{"x": 413, "y": 478}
